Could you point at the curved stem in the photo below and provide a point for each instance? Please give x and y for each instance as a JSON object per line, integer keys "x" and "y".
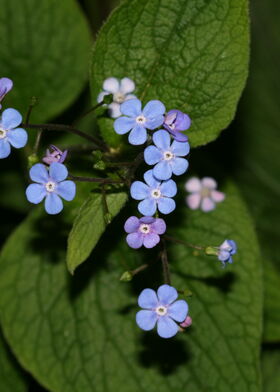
{"x": 168, "y": 238}
{"x": 95, "y": 180}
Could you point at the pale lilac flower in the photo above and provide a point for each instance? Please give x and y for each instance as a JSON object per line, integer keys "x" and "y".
{"x": 144, "y": 231}
{"x": 175, "y": 122}
{"x": 203, "y": 194}
{"x": 121, "y": 90}
{"x": 10, "y": 133}
{"x": 54, "y": 155}
{"x": 161, "y": 308}
{"x": 6, "y": 85}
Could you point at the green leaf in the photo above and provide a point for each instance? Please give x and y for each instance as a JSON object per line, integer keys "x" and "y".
{"x": 79, "y": 333}
{"x": 258, "y": 142}
{"x": 11, "y": 376}
{"x": 89, "y": 225}
{"x": 44, "y": 50}
{"x": 191, "y": 55}
{"x": 270, "y": 370}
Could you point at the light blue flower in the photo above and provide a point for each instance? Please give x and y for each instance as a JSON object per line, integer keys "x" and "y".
{"x": 10, "y": 134}
{"x": 51, "y": 186}
{"x": 154, "y": 194}
{"x": 138, "y": 121}
{"x": 6, "y": 85}
{"x": 226, "y": 250}
{"x": 166, "y": 158}
{"x": 161, "y": 308}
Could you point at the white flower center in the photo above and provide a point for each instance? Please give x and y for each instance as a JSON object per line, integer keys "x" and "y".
{"x": 205, "y": 192}
{"x": 167, "y": 155}
{"x": 119, "y": 97}
{"x": 161, "y": 310}
{"x": 156, "y": 193}
{"x": 2, "y": 133}
{"x": 50, "y": 186}
{"x": 144, "y": 228}
{"x": 141, "y": 119}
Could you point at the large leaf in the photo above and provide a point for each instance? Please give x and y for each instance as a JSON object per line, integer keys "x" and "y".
{"x": 258, "y": 142}
{"x": 191, "y": 55}
{"x": 44, "y": 49}
{"x": 270, "y": 370}
{"x": 88, "y": 226}
{"x": 79, "y": 333}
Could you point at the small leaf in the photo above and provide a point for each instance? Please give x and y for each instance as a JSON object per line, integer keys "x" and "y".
{"x": 44, "y": 49}
{"x": 89, "y": 225}
{"x": 192, "y": 56}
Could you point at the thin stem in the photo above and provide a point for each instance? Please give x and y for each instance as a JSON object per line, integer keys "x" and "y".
{"x": 91, "y": 110}
{"x": 67, "y": 128}
{"x": 176, "y": 241}
{"x": 37, "y": 141}
{"x": 95, "y": 180}
{"x": 139, "y": 269}
{"x": 165, "y": 264}
{"x": 31, "y": 106}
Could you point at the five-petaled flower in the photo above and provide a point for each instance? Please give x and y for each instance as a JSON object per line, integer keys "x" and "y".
{"x": 138, "y": 121}
{"x": 121, "y": 91}
{"x": 155, "y": 194}
{"x": 226, "y": 250}
{"x": 166, "y": 158}
{"x": 161, "y": 308}
{"x": 144, "y": 231}
{"x": 55, "y": 155}
{"x": 10, "y": 134}
{"x": 6, "y": 85}
{"x": 175, "y": 122}
{"x": 51, "y": 185}
{"x": 203, "y": 194}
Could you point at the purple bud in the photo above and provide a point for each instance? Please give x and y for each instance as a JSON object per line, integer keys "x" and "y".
{"x": 175, "y": 122}
{"x": 186, "y": 323}
{"x": 6, "y": 85}
{"x": 55, "y": 155}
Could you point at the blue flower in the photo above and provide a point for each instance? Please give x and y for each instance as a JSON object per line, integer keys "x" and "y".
{"x": 175, "y": 122}
{"x": 161, "y": 308}
{"x": 9, "y": 133}
{"x": 155, "y": 195}
{"x": 226, "y": 250}
{"x": 138, "y": 121}
{"x": 6, "y": 85}
{"x": 166, "y": 158}
{"x": 51, "y": 186}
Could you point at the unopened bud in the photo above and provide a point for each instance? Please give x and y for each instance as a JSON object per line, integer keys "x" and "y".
{"x": 187, "y": 293}
{"x": 108, "y": 218}
{"x": 126, "y": 276}
{"x": 32, "y": 159}
{"x": 211, "y": 251}
{"x": 100, "y": 165}
{"x": 187, "y": 322}
{"x": 97, "y": 155}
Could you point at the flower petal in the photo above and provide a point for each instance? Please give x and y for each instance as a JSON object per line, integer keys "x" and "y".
{"x": 223, "y": 255}
{"x": 127, "y": 86}
{"x": 6, "y": 85}
{"x": 153, "y": 109}
{"x": 39, "y": 173}
{"x": 146, "y": 319}
{"x": 162, "y": 170}
{"x": 178, "y": 310}
{"x": 147, "y": 220}
{"x": 138, "y": 135}
{"x": 58, "y": 172}
{"x": 17, "y": 137}
{"x": 217, "y": 196}
{"x": 35, "y": 193}
{"x": 207, "y": 204}
{"x": 193, "y": 201}
{"x": 209, "y": 182}
{"x": 168, "y": 188}
{"x": 132, "y": 224}
{"x": 153, "y": 123}
{"x": 101, "y": 96}
{"x": 150, "y": 240}
{"x": 152, "y": 155}
{"x": 159, "y": 226}
{"x": 11, "y": 118}
{"x": 167, "y": 294}
{"x": 114, "y": 110}
{"x": 179, "y": 166}
{"x": 5, "y": 148}
{"x": 162, "y": 140}
{"x": 148, "y": 299}
{"x": 166, "y": 327}
{"x": 180, "y": 149}
{"x": 123, "y": 125}
{"x": 178, "y": 136}
{"x": 150, "y": 179}
{"x": 166, "y": 205}
{"x": 139, "y": 190}
{"x": 53, "y": 204}
{"x": 134, "y": 240}
{"x": 147, "y": 207}
{"x": 193, "y": 185}
{"x": 111, "y": 85}
{"x": 233, "y": 246}
{"x": 66, "y": 189}
{"x": 131, "y": 108}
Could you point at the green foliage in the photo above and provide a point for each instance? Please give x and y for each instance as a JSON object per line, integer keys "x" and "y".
{"x": 89, "y": 225}
{"x": 44, "y": 50}
{"x": 79, "y": 333}
{"x": 270, "y": 370}
{"x": 192, "y": 55}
